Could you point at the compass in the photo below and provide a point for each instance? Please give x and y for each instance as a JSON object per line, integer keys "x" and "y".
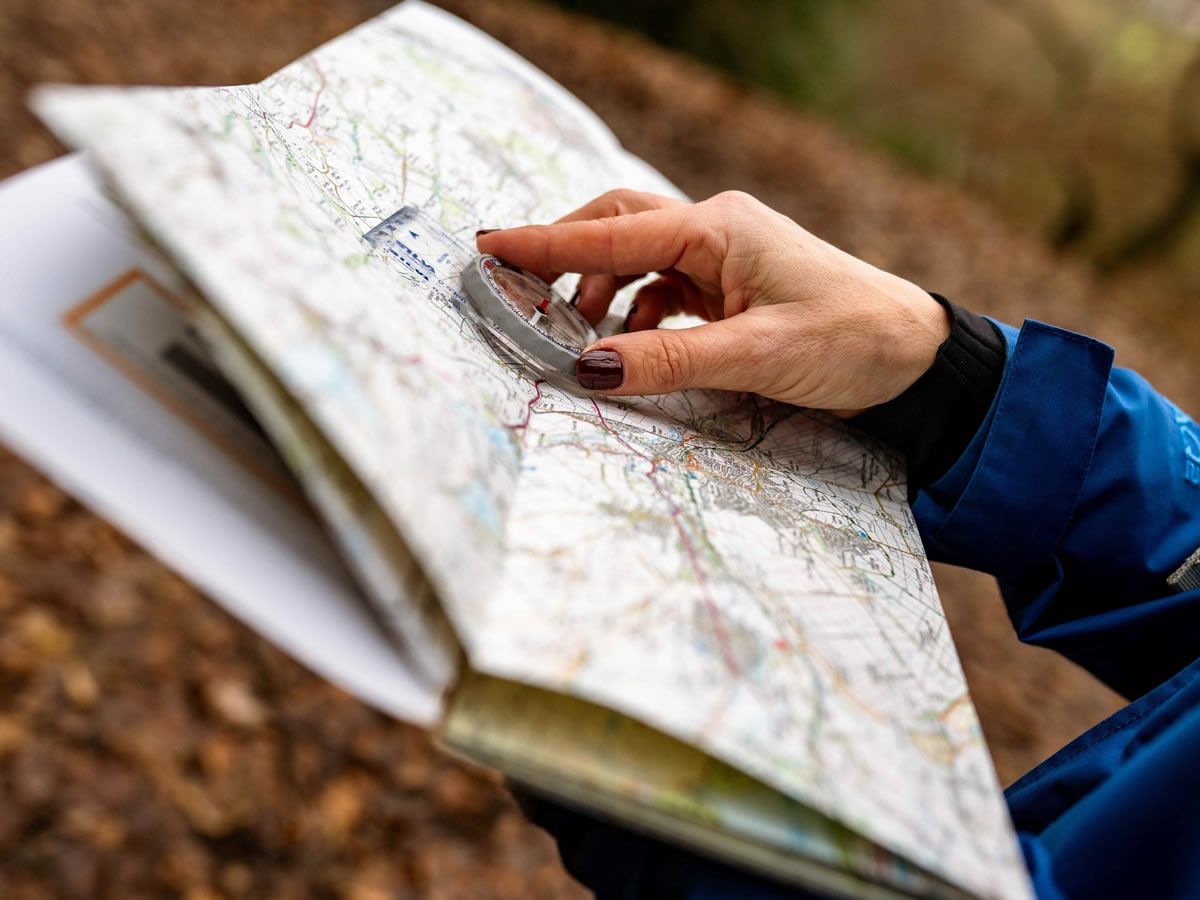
{"x": 526, "y": 316}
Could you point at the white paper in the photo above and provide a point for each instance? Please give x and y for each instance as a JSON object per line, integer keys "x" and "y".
{"x": 184, "y": 479}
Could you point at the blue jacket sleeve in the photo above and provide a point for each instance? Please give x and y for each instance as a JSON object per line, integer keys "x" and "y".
{"x": 1081, "y": 494}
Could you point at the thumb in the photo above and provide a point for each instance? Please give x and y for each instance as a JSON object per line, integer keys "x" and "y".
{"x": 661, "y": 360}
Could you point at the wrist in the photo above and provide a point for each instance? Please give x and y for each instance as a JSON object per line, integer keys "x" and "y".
{"x": 909, "y": 332}
{"x": 934, "y": 418}
{"x": 925, "y": 332}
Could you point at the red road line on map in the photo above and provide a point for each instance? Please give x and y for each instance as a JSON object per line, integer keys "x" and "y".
{"x": 537, "y": 387}
{"x": 685, "y": 539}
{"x": 312, "y": 114}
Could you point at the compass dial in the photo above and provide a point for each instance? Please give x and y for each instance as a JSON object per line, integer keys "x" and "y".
{"x": 526, "y": 315}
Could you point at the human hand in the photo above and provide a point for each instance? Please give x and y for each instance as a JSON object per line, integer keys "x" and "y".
{"x": 789, "y": 316}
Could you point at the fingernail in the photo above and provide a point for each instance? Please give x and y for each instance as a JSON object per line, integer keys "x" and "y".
{"x": 629, "y": 315}
{"x": 574, "y": 301}
{"x": 600, "y": 370}
{"x": 482, "y": 231}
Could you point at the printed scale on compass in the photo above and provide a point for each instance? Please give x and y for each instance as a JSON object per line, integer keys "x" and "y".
{"x": 514, "y": 309}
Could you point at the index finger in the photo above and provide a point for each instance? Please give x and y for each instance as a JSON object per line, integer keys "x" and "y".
{"x": 632, "y": 244}
{"x": 618, "y": 202}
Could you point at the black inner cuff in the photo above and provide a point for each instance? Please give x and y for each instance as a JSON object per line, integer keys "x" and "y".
{"x": 932, "y": 422}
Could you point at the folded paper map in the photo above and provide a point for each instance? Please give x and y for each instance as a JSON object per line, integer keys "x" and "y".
{"x": 706, "y": 614}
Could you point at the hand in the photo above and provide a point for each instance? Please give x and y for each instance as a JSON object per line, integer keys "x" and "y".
{"x": 788, "y": 315}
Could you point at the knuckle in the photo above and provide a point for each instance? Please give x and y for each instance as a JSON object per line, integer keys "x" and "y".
{"x": 543, "y": 238}
{"x": 735, "y": 200}
{"x": 673, "y": 364}
{"x": 608, "y": 229}
{"x": 618, "y": 200}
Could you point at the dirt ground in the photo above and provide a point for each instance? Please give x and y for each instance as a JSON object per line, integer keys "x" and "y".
{"x": 151, "y": 745}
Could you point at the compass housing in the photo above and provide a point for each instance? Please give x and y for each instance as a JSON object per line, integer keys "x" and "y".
{"x": 527, "y": 316}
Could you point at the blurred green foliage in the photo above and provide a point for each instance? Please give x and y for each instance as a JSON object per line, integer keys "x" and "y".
{"x": 794, "y": 47}
{"x": 1078, "y": 120}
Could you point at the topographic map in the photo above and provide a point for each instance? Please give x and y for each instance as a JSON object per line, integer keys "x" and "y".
{"x": 742, "y": 576}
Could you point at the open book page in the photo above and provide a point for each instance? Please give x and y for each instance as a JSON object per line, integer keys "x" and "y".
{"x": 381, "y": 561}
{"x": 606, "y": 762}
{"x": 741, "y": 576}
{"x": 108, "y": 391}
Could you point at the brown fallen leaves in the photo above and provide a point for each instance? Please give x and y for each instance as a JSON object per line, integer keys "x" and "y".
{"x": 151, "y": 745}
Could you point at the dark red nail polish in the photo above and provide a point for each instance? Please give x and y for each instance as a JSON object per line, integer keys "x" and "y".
{"x": 600, "y": 370}
{"x": 629, "y": 316}
{"x": 482, "y": 231}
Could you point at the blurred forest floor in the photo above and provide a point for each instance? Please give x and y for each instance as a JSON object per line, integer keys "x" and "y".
{"x": 150, "y": 745}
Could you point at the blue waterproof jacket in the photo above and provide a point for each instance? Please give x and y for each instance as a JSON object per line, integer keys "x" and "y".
{"x": 1081, "y": 494}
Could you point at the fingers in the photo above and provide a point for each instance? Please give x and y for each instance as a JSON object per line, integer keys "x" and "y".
{"x": 596, "y": 293}
{"x": 598, "y": 286}
{"x": 662, "y": 360}
{"x": 654, "y": 302}
{"x": 695, "y": 300}
{"x": 619, "y": 202}
{"x": 665, "y": 296}
{"x": 629, "y": 244}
